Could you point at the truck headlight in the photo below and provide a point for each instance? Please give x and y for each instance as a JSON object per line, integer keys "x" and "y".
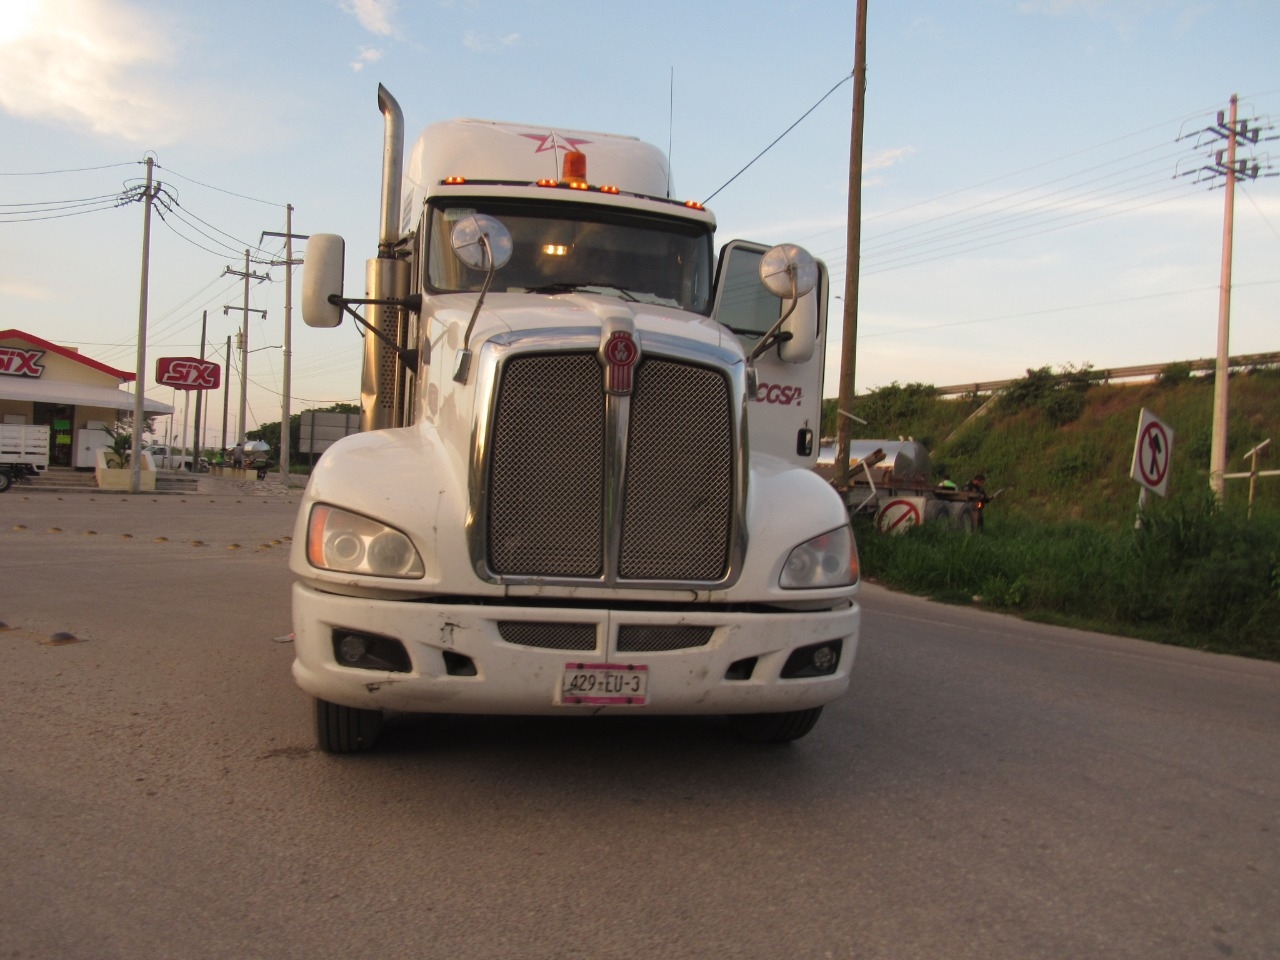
{"x": 349, "y": 543}
{"x": 830, "y": 560}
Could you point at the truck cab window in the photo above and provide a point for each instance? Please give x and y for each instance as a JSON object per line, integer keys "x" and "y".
{"x": 561, "y": 247}
{"x": 746, "y": 307}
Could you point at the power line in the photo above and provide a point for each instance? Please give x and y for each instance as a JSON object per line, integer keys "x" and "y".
{"x": 230, "y": 193}
{"x": 843, "y": 81}
{"x": 46, "y": 173}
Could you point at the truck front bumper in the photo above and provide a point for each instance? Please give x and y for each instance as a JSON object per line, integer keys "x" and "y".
{"x": 459, "y": 662}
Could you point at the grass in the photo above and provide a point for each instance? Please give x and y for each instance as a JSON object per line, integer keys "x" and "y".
{"x": 1192, "y": 575}
{"x": 1060, "y": 543}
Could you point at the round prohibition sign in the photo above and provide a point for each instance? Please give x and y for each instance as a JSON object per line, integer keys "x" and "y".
{"x": 1153, "y": 454}
{"x": 897, "y": 513}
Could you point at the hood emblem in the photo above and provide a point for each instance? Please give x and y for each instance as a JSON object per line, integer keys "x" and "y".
{"x": 620, "y": 354}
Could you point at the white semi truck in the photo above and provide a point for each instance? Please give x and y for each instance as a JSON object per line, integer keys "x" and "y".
{"x": 583, "y": 483}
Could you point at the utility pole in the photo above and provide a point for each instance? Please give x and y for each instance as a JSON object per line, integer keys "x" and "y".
{"x": 242, "y": 348}
{"x": 849, "y": 342}
{"x": 1225, "y": 165}
{"x": 226, "y": 395}
{"x": 244, "y": 342}
{"x": 139, "y": 385}
{"x": 199, "y": 437}
{"x": 288, "y": 263}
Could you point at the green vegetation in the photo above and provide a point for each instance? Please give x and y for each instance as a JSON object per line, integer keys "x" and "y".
{"x": 270, "y": 434}
{"x": 1060, "y": 543}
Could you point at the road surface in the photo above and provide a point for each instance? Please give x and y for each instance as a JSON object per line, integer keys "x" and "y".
{"x": 989, "y": 789}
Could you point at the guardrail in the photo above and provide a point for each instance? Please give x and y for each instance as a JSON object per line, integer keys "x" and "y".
{"x": 1147, "y": 371}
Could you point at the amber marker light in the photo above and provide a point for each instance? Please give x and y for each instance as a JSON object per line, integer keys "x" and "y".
{"x": 315, "y": 535}
{"x": 455, "y": 181}
{"x": 548, "y": 183}
{"x": 609, "y": 189}
{"x": 694, "y": 205}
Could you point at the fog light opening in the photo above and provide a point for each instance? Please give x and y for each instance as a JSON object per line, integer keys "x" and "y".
{"x": 741, "y": 669}
{"x": 816, "y": 660}
{"x": 368, "y": 651}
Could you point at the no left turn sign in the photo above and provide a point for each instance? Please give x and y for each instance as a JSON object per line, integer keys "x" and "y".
{"x": 899, "y": 515}
{"x": 1152, "y": 452}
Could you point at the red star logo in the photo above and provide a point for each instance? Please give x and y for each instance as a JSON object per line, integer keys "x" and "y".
{"x": 549, "y": 141}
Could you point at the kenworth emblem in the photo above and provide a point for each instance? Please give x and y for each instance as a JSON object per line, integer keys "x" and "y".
{"x": 620, "y": 354}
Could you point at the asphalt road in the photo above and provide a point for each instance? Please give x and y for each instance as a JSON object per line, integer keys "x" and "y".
{"x": 989, "y": 789}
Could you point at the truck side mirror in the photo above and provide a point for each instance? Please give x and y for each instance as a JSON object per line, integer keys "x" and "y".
{"x": 482, "y": 243}
{"x": 322, "y": 270}
{"x": 802, "y": 326}
{"x": 789, "y": 272}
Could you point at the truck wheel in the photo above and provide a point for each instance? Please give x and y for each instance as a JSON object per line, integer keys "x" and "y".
{"x": 964, "y": 520}
{"x": 5, "y": 482}
{"x": 342, "y": 729}
{"x": 774, "y": 727}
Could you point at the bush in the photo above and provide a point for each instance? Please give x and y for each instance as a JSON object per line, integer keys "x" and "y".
{"x": 1174, "y": 375}
{"x": 1060, "y": 396}
{"x": 1193, "y": 575}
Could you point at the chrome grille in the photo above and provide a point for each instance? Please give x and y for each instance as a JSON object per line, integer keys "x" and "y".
{"x": 549, "y": 636}
{"x": 645, "y": 638}
{"x": 546, "y": 482}
{"x": 550, "y": 494}
{"x": 677, "y": 515}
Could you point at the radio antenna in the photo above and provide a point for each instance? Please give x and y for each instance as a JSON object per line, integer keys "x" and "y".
{"x": 671, "y": 106}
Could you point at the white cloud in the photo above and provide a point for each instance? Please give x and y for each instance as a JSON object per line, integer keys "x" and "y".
{"x": 366, "y": 56}
{"x": 80, "y": 62}
{"x": 23, "y": 291}
{"x": 887, "y": 158}
{"x": 479, "y": 43}
{"x": 374, "y": 15}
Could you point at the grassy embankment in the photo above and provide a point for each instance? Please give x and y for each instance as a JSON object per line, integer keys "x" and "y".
{"x": 1060, "y": 543}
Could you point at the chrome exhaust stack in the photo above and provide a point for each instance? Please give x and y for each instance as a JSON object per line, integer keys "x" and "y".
{"x": 384, "y": 384}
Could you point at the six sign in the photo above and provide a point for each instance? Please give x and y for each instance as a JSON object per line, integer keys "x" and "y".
{"x": 1152, "y": 452}
{"x": 188, "y": 373}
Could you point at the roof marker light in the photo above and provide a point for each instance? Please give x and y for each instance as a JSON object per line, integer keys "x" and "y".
{"x": 609, "y": 189}
{"x": 694, "y": 205}
{"x": 548, "y": 183}
{"x": 455, "y": 180}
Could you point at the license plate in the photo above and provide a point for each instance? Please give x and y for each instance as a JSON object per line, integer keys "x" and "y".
{"x": 612, "y": 684}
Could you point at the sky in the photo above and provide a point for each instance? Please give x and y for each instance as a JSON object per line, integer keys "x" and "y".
{"x": 1034, "y": 186}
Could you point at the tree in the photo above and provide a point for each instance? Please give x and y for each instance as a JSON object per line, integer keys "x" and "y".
{"x": 270, "y": 432}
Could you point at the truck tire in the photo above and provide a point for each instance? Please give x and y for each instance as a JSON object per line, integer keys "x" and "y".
{"x": 935, "y": 510}
{"x": 342, "y": 729}
{"x": 963, "y": 520}
{"x": 5, "y": 482}
{"x": 774, "y": 727}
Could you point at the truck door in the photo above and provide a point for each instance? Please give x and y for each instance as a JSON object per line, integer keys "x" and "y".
{"x": 785, "y": 415}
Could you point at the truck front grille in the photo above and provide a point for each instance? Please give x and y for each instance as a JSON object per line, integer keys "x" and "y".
{"x": 550, "y": 504}
{"x": 647, "y": 638}
{"x": 546, "y": 486}
{"x": 676, "y": 520}
{"x": 548, "y": 636}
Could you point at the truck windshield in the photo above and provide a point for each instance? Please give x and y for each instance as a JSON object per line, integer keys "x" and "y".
{"x": 561, "y": 247}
